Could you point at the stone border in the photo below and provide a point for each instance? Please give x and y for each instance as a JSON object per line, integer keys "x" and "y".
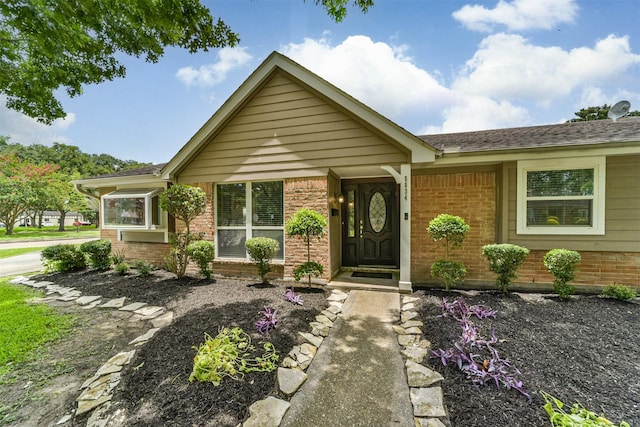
{"x": 426, "y": 394}
{"x": 98, "y": 390}
{"x": 291, "y": 375}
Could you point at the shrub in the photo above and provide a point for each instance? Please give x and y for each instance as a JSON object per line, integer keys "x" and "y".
{"x": 117, "y": 256}
{"x": 452, "y": 229}
{"x": 203, "y": 252}
{"x": 621, "y": 292}
{"x": 451, "y": 272}
{"x": 262, "y": 250}
{"x": 122, "y": 268}
{"x": 504, "y": 260}
{"x": 307, "y": 223}
{"x": 229, "y": 354}
{"x": 144, "y": 268}
{"x": 63, "y": 258}
{"x": 98, "y": 253}
{"x": 562, "y": 264}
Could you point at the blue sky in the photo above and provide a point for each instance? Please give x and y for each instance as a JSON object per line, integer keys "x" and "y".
{"x": 431, "y": 66}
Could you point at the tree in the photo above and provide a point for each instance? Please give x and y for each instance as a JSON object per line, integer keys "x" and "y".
{"x": 47, "y": 45}
{"x": 307, "y": 223}
{"x": 452, "y": 229}
{"x": 185, "y": 203}
{"x": 17, "y": 192}
{"x": 64, "y": 197}
{"x": 596, "y": 113}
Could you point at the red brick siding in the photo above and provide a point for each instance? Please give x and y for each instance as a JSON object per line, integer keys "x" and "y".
{"x": 471, "y": 196}
{"x": 152, "y": 252}
{"x": 310, "y": 193}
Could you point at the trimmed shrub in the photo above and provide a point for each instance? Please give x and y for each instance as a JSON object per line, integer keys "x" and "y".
{"x": 63, "y": 258}
{"x": 452, "y": 229}
{"x": 451, "y": 272}
{"x": 310, "y": 268}
{"x": 562, "y": 264}
{"x": 307, "y": 223}
{"x": 621, "y": 292}
{"x": 262, "y": 250}
{"x": 504, "y": 260}
{"x": 144, "y": 268}
{"x": 98, "y": 252}
{"x": 203, "y": 252}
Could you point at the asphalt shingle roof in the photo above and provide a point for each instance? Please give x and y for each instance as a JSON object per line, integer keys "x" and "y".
{"x": 626, "y": 129}
{"x": 146, "y": 170}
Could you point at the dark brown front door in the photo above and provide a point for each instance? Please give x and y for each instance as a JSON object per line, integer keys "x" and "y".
{"x": 370, "y": 224}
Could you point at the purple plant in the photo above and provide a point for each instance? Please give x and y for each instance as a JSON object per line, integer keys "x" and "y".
{"x": 474, "y": 355}
{"x": 292, "y": 297}
{"x": 268, "y": 320}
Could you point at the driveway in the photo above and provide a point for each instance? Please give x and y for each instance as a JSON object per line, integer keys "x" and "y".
{"x": 29, "y": 263}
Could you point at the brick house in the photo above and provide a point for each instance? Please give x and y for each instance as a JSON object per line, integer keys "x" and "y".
{"x": 287, "y": 139}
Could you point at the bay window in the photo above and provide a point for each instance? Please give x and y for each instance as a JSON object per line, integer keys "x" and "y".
{"x": 561, "y": 196}
{"x": 245, "y": 210}
{"x": 132, "y": 209}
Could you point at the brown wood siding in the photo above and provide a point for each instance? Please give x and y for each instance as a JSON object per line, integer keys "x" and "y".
{"x": 286, "y": 129}
{"x": 622, "y": 213}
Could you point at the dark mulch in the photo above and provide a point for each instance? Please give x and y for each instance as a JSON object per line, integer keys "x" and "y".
{"x": 155, "y": 389}
{"x": 585, "y": 350}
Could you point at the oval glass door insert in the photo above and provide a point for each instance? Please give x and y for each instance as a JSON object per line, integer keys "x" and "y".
{"x": 377, "y": 212}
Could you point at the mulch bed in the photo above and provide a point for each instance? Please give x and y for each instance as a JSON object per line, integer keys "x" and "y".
{"x": 155, "y": 390}
{"x": 584, "y": 350}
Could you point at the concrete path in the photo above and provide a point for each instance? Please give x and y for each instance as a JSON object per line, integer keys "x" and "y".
{"x": 358, "y": 376}
{"x": 30, "y": 262}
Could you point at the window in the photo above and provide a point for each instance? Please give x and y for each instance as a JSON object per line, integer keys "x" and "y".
{"x": 246, "y": 210}
{"x": 132, "y": 208}
{"x": 563, "y": 196}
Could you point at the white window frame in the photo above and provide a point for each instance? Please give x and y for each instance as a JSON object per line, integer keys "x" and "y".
{"x": 125, "y": 193}
{"x": 598, "y": 164}
{"x": 248, "y": 227}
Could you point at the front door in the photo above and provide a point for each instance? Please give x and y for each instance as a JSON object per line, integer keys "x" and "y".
{"x": 370, "y": 223}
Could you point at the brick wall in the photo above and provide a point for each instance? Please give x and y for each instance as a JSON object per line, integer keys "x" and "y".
{"x": 152, "y": 252}
{"x": 471, "y": 196}
{"x": 310, "y": 193}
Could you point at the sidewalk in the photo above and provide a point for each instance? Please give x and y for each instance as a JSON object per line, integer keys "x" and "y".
{"x": 358, "y": 377}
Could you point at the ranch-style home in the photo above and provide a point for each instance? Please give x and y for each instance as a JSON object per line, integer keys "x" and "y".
{"x": 287, "y": 139}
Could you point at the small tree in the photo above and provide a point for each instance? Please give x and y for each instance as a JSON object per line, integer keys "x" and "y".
{"x": 262, "y": 250}
{"x": 307, "y": 223}
{"x": 203, "y": 252}
{"x": 185, "y": 203}
{"x": 504, "y": 260}
{"x": 562, "y": 264}
{"x": 452, "y": 229}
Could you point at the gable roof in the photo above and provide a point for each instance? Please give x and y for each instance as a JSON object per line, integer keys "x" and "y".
{"x": 593, "y": 132}
{"x": 420, "y": 152}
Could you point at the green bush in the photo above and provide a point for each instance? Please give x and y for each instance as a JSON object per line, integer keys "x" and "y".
{"x": 309, "y": 268}
{"x": 451, "y": 272}
{"x": 307, "y": 223}
{"x": 144, "y": 268}
{"x": 203, "y": 252}
{"x": 621, "y": 292}
{"x": 504, "y": 260}
{"x": 122, "y": 268}
{"x": 63, "y": 258}
{"x": 262, "y": 250}
{"x": 231, "y": 354}
{"x": 98, "y": 252}
{"x": 562, "y": 264}
{"x": 450, "y": 228}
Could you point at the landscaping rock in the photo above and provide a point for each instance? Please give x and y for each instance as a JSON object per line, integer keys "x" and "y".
{"x": 408, "y": 315}
{"x": 428, "y": 402}
{"x": 87, "y": 299}
{"x": 311, "y": 339}
{"x": 416, "y": 354}
{"x": 114, "y": 303}
{"x": 407, "y": 300}
{"x": 412, "y": 323}
{"x": 414, "y": 331}
{"x": 407, "y": 340}
{"x": 421, "y": 376}
{"x": 408, "y": 307}
{"x": 399, "y": 330}
{"x": 133, "y": 307}
{"x": 290, "y": 380}
{"x": 163, "y": 320}
{"x": 145, "y": 337}
{"x": 149, "y": 311}
{"x": 266, "y": 413}
{"x": 429, "y": 422}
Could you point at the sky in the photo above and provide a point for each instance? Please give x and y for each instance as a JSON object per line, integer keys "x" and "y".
{"x": 431, "y": 66}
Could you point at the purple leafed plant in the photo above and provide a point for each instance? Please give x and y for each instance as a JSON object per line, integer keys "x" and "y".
{"x": 474, "y": 355}
{"x": 268, "y": 320}
{"x": 291, "y": 296}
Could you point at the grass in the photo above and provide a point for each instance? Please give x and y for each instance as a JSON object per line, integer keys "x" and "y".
{"x": 7, "y": 253}
{"x": 44, "y": 233}
{"x": 25, "y": 327}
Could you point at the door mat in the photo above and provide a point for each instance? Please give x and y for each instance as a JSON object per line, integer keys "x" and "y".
{"x": 372, "y": 275}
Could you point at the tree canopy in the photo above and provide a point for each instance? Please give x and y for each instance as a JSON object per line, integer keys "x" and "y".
{"x": 50, "y": 44}
{"x": 596, "y": 113}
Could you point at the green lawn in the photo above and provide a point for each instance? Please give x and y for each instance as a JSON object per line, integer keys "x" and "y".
{"x": 48, "y": 233}
{"x": 6, "y": 253}
{"x": 24, "y": 327}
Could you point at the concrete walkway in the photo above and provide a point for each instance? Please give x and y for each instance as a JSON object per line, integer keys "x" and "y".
{"x": 358, "y": 376}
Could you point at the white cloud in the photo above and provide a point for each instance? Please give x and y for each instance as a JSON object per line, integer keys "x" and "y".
{"x": 378, "y": 74}
{"x": 211, "y": 74}
{"x": 518, "y": 15}
{"x": 26, "y": 130}
{"x": 510, "y": 67}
